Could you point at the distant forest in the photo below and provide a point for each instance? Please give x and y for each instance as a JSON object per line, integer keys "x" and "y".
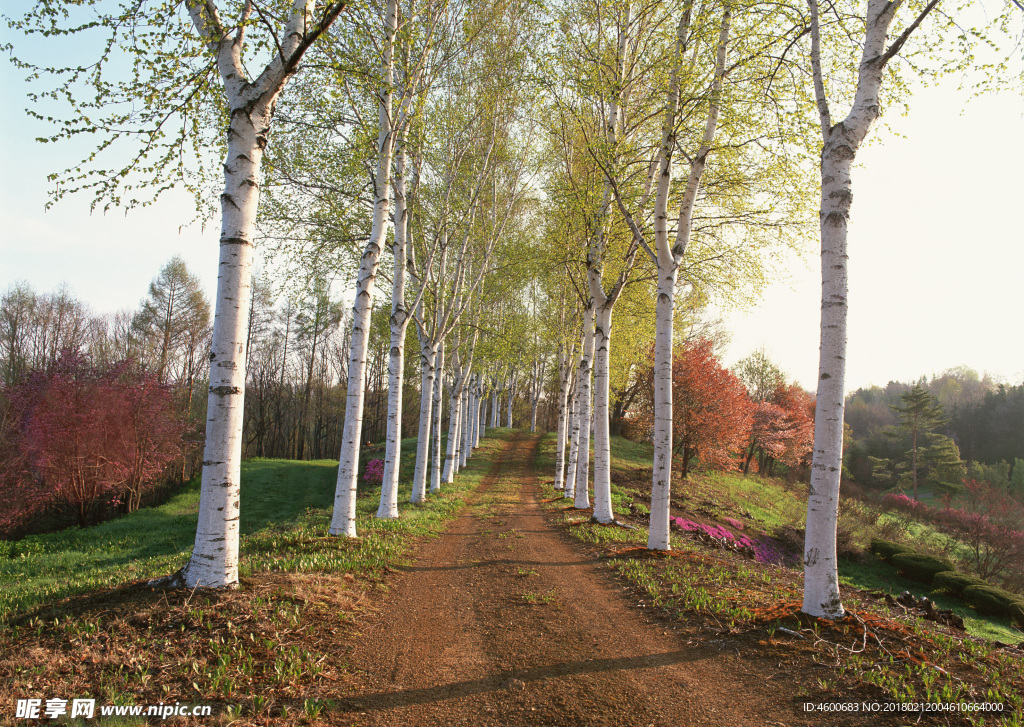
{"x": 977, "y": 433}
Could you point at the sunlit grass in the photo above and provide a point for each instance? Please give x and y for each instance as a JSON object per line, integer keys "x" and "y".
{"x": 285, "y": 511}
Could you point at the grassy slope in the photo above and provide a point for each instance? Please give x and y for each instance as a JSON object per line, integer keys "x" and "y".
{"x": 283, "y": 502}
{"x": 773, "y": 504}
{"x": 709, "y": 591}
{"x": 268, "y": 650}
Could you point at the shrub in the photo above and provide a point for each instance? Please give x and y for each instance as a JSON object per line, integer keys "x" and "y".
{"x": 374, "y": 472}
{"x": 1017, "y": 613}
{"x": 886, "y": 549}
{"x": 920, "y": 567}
{"x": 990, "y": 600}
{"x": 955, "y": 582}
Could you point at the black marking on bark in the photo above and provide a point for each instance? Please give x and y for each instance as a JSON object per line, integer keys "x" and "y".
{"x": 843, "y": 153}
{"x": 826, "y": 376}
{"x": 843, "y": 195}
{"x": 836, "y": 218}
{"x": 811, "y": 557}
{"x": 225, "y": 390}
{"x": 234, "y": 241}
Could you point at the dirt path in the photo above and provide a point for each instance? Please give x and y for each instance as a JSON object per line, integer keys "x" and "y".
{"x": 506, "y": 621}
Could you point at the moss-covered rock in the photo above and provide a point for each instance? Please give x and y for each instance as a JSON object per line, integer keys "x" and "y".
{"x": 955, "y": 583}
{"x": 990, "y": 600}
{"x": 920, "y": 567}
{"x": 886, "y": 549}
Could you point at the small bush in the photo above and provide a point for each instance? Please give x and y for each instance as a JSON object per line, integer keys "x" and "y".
{"x": 886, "y": 549}
{"x": 955, "y": 582}
{"x": 920, "y": 567}
{"x": 1017, "y": 614}
{"x": 990, "y": 600}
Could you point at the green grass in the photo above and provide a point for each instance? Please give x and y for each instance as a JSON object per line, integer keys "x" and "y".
{"x": 876, "y": 575}
{"x": 773, "y": 504}
{"x": 285, "y": 511}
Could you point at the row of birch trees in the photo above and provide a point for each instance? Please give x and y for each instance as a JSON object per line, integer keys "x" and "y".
{"x": 566, "y": 159}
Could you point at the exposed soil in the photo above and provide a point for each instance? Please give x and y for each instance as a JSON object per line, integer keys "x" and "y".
{"x": 504, "y": 620}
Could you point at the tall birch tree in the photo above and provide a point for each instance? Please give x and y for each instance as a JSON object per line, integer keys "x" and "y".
{"x": 840, "y": 143}
{"x": 175, "y": 74}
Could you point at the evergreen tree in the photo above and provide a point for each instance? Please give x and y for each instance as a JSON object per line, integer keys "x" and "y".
{"x": 920, "y": 415}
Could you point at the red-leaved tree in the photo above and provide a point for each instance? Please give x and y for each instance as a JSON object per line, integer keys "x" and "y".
{"x": 782, "y": 430}
{"x": 81, "y": 437}
{"x": 146, "y": 433}
{"x": 711, "y": 412}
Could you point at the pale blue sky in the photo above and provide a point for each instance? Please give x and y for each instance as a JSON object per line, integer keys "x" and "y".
{"x": 936, "y": 245}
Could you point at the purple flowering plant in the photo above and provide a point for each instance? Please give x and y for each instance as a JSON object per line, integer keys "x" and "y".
{"x": 763, "y": 549}
{"x": 374, "y": 471}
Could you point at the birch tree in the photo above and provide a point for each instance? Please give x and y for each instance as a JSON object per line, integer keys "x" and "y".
{"x": 175, "y": 75}
{"x": 392, "y": 120}
{"x": 840, "y": 143}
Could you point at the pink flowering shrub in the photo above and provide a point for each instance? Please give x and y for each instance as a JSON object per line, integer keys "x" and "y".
{"x": 992, "y": 527}
{"x": 762, "y": 549}
{"x": 734, "y": 523}
{"x": 374, "y": 472}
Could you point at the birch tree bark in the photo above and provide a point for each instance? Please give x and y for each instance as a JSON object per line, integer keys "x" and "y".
{"x": 582, "y": 480}
{"x": 563, "y": 416}
{"x": 454, "y": 423}
{"x": 465, "y": 439}
{"x": 435, "y": 467}
{"x": 574, "y": 444}
{"x": 398, "y": 324}
{"x": 214, "y": 561}
{"x": 839, "y": 149}
{"x": 428, "y": 355}
{"x": 343, "y": 521}
{"x": 667, "y": 260}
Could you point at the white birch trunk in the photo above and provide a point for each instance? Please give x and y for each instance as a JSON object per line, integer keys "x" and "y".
{"x": 467, "y": 424}
{"x": 435, "y": 468}
{"x": 511, "y": 397}
{"x": 419, "y": 481}
{"x": 214, "y": 560}
{"x": 398, "y": 324}
{"x": 841, "y": 142}
{"x": 471, "y": 434}
{"x": 582, "y": 484}
{"x": 477, "y": 412}
{"x": 668, "y": 259}
{"x": 658, "y": 537}
{"x": 602, "y": 436}
{"x": 451, "y": 453}
{"x": 494, "y": 408}
{"x": 563, "y": 404}
{"x": 599, "y": 313}
{"x": 343, "y": 521}
{"x": 574, "y": 443}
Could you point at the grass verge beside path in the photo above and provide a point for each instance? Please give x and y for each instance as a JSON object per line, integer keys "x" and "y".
{"x": 716, "y": 596}
{"x": 285, "y": 506}
{"x": 81, "y": 623}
